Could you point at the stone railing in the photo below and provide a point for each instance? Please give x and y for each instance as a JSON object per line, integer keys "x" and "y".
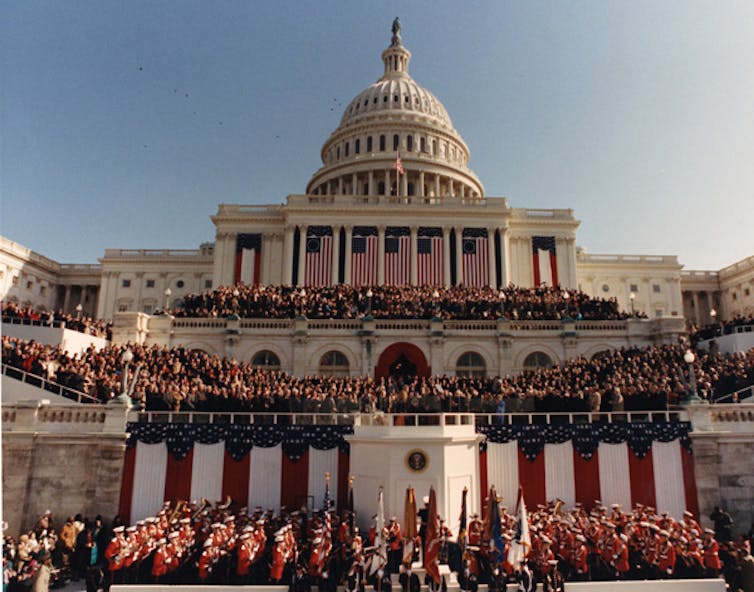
{"x": 41, "y": 416}
{"x": 735, "y": 418}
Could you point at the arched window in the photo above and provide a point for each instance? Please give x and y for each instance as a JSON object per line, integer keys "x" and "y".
{"x": 334, "y": 363}
{"x": 537, "y": 360}
{"x": 337, "y": 152}
{"x": 471, "y": 365}
{"x": 396, "y": 141}
{"x": 266, "y": 360}
{"x": 409, "y": 143}
{"x": 347, "y": 147}
{"x": 422, "y": 144}
{"x": 357, "y": 146}
{"x": 369, "y": 143}
{"x": 382, "y": 143}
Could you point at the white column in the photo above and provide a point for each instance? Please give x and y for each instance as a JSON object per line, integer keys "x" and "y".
{"x": 371, "y": 183}
{"x": 340, "y": 185}
{"x": 571, "y": 246}
{"x": 335, "y": 254}
{"x": 451, "y": 188}
{"x": 404, "y": 186}
{"x": 437, "y": 185}
{"x": 380, "y": 255}
{"x": 347, "y": 266}
{"x": 505, "y": 256}
{"x": 287, "y": 255}
{"x": 421, "y": 192}
{"x": 459, "y": 256}
{"x": 66, "y": 299}
{"x": 446, "y": 255}
{"x": 697, "y": 316}
{"x": 302, "y": 254}
{"x": 354, "y": 185}
{"x": 414, "y": 256}
{"x": 387, "y": 182}
{"x": 491, "y": 258}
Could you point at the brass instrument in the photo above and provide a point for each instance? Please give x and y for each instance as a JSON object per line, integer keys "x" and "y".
{"x": 177, "y": 510}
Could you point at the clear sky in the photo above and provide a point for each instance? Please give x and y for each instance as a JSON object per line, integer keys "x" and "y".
{"x": 124, "y": 124}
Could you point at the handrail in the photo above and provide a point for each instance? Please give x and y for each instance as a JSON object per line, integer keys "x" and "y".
{"x": 49, "y": 386}
{"x": 729, "y": 398}
{"x": 404, "y": 419}
{"x": 33, "y": 322}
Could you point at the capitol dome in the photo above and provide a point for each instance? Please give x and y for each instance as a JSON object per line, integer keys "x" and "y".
{"x": 396, "y": 116}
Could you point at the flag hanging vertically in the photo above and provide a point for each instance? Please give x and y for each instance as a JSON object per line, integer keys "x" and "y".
{"x": 492, "y": 528}
{"x": 379, "y": 556}
{"x": 521, "y": 542}
{"x": 545, "y": 261}
{"x": 462, "y": 528}
{"x": 397, "y": 256}
{"x": 432, "y": 542}
{"x": 319, "y": 242}
{"x": 246, "y": 268}
{"x": 351, "y": 511}
{"x": 476, "y": 256}
{"x": 364, "y": 256}
{"x": 409, "y": 529}
{"x": 430, "y": 257}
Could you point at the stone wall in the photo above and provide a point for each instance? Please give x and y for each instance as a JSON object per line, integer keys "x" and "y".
{"x": 62, "y": 458}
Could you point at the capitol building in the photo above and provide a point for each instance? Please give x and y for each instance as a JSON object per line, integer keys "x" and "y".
{"x": 394, "y": 203}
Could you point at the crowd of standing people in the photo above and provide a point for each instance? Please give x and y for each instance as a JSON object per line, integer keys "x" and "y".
{"x": 179, "y": 379}
{"x": 399, "y": 302}
{"x": 15, "y": 313}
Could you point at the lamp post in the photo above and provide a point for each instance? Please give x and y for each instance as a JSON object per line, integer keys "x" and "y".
{"x": 689, "y": 358}
{"x": 712, "y": 315}
{"x": 436, "y": 300}
{"x": 566, "y": 296}
{"x": 124, "y": 397}
{"x": 168, "y": 293}
{"x": 501, "y": 299}
{"x": 631, "y": 298}
{"x": 79, "y": 309}
{"x": 236, "y": 294}
{"x": 369, "y": 304}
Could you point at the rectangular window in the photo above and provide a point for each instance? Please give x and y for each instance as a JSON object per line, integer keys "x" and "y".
{"x": 747, "y": 292}
{"x": 369, "y": 143}
{"x": 15, "y": 280}
{"x": 410, "y": 143}
{"x": 150, "y": 283}
{"x": 123, "y": 308}
{"x": 658, "y": 313}
{"x": 382, "y": 143}
{"x": 357, "y": 146}
{"x": 148, "y": 308}
{"x": 29, "y": 284}
{"x": 656, "y": 288}
{"x": 126, "y": 283}
{"x": 207, "y": 284}
{"x": 634, "y": 288}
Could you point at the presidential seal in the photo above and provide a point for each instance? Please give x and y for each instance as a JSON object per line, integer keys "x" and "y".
{"x": 417, "y": 460}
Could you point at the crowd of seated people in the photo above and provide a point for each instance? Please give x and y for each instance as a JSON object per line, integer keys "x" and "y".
{"x": 720, "y": 328}
{"x": 399, "y": 302}
{"x": 204, "y": 543}
{"x": 12, "y": 312}
{"x": 180, "y": 379}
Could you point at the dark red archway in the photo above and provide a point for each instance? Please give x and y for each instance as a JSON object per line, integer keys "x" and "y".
{"x": 394, "y": 352}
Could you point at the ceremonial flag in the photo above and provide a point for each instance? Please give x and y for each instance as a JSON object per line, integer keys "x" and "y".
{"x": 351, "y": 511}
{"x": 379, "y": 556}
{"x": 409, "y": 529}
{"x": 326, "y": 544}
{"x": 476, "y": 267}
{"x": 430, "y": 257}
{"x": 318, "y": 257}
{"x": 397, "y": 256}
{"x": 432, "y": 542}
{"x": 398, "y": 166}
{"x": 364, "y": 256}
{"x": 545, "y": 261}
{"x": 521, "y": 543}
{"x": 492, "y": 529}
{"x": 462, "y": 528}
{"x": 248, "y": 256}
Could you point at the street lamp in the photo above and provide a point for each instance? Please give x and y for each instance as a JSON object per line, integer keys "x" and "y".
{"x": 689, "y": 358}
{"x": 501, "y": 298}
{"x": 713, "y": 315}
{"x": 168, "y": 293}
{"x": 236, "y": 304}
{"x": 631, "y": 298}
{"x": 79, "y": 308}
{"x": 436, "y": 299}
{"x": 124, "y": 397}
{"x": 369, "y": 303}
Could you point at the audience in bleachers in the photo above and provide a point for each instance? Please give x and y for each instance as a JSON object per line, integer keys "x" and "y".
{"x": 399, "y": 302}
{"x": 191, "y": 380}
{"x": 719, "y": 328}
{"x": 12, "y": 312}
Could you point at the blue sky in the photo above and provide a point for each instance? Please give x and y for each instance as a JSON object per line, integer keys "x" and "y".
{"x": 124, "y": 124}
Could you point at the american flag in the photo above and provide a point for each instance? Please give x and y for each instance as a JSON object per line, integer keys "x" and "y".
{"x": 545, "y": 263}
{"x": 476, "y": 271}
{"x": 398, "y": 166}
{"x": 318, "y": 260}
{"x": 398, "y": 258}
{"x": 364, "y": 257}
{"x": 248, "y": 250}
{"x": 430, "y": 260}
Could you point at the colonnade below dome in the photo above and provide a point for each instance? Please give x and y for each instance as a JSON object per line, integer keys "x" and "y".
{"x": 383, "y": 182}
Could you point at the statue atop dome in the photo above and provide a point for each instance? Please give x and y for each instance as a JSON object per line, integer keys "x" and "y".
{"x": 396, "y": 40}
